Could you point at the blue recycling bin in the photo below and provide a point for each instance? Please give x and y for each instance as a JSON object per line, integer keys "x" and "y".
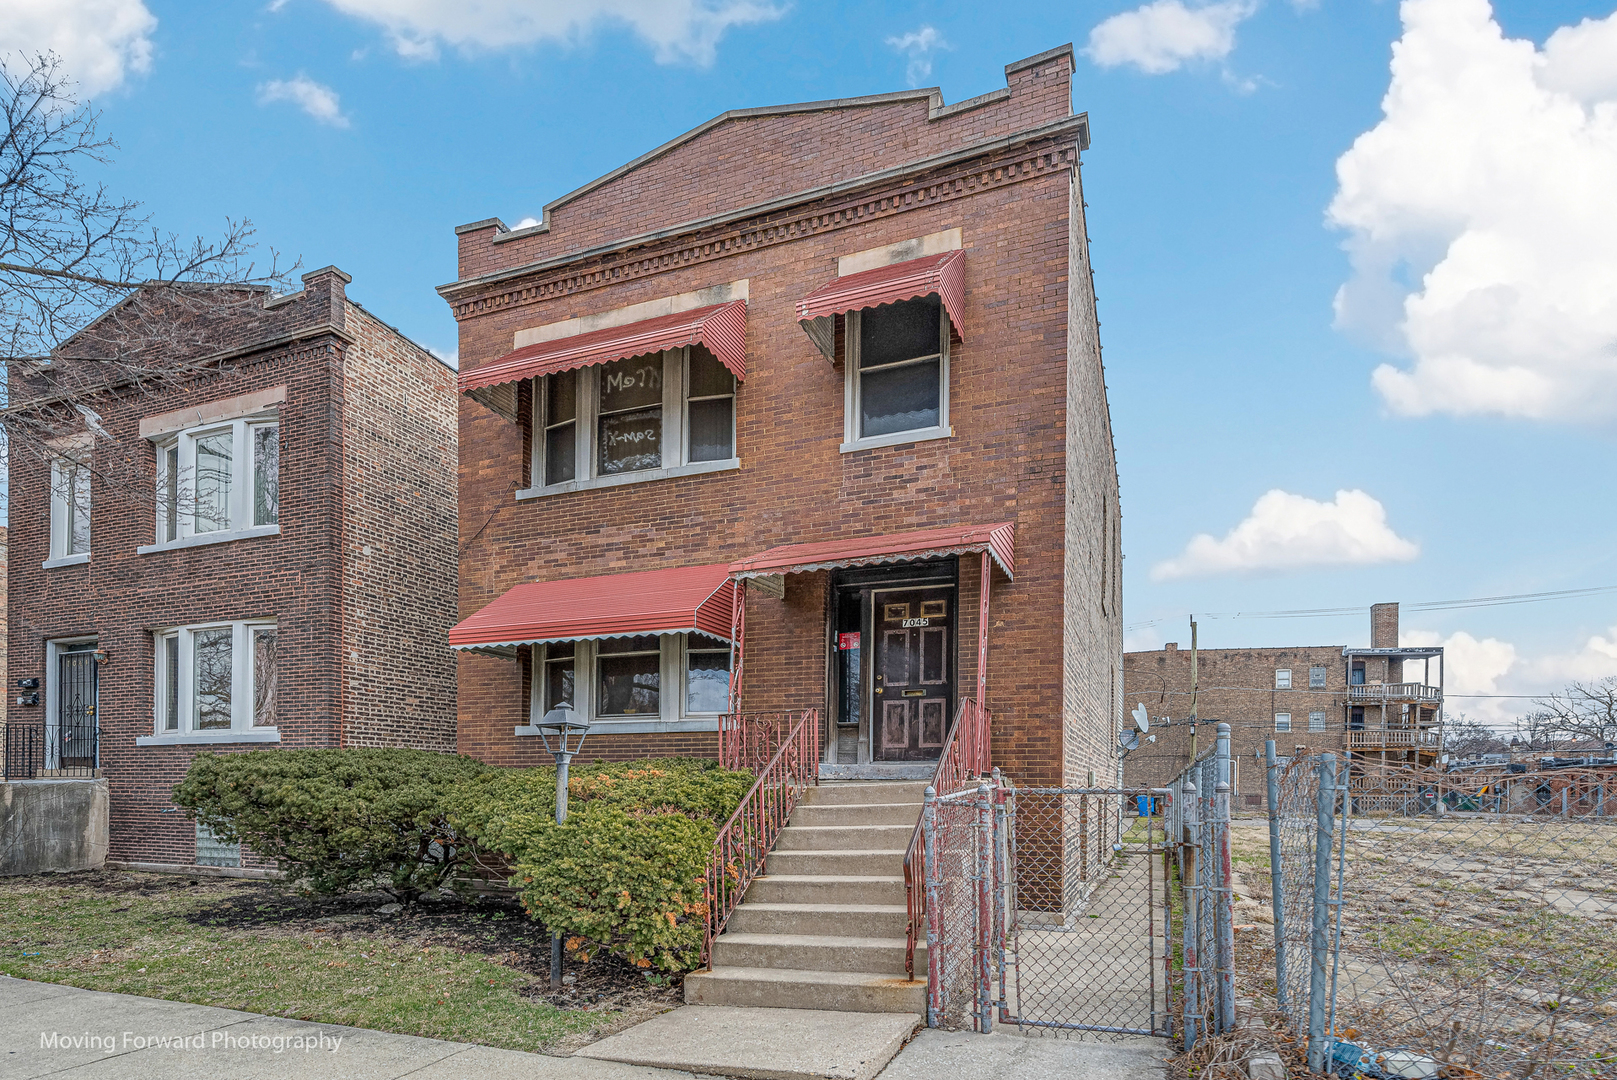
{"x": 1145, "y": 805}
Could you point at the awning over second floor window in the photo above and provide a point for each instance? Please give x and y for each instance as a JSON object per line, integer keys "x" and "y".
{"x": 943, "y": 274}
{"x": 998, "y": 540}
{"x": 682, "y": 600}
{"x": 722, "y": 328}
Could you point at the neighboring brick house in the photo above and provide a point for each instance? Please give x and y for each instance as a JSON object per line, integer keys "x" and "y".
{"x": 292, "y": 588}
{"x": 1383, "y": 704}
{"x": 844, "y": 351}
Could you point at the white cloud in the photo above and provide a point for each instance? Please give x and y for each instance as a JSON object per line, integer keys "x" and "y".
{"x": 1482, "y": 213}
{"x": 1160, "y": 37}
{"x": 448, "y": 356}
{"x": 1287, "y": 532}
{"x": 1489, "y": 666}
{"x": 525, "y": 223}
{"x": 1596, "y": 659}
{"x": 676, "y": 29}
{"x": 101, "y": 42}
{"x": 918, "y": 45}
{"x": 316, "y": 99}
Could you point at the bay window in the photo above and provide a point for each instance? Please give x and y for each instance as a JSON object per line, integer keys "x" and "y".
{"x": 638, "y": 418}
{"x": 215, "y": 682}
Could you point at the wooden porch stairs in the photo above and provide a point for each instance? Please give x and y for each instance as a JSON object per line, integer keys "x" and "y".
{"x": 824, "y": 926}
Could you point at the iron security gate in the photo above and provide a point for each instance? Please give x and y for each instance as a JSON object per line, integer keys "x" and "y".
{"x": 1046, "y": 907}
{"x": 71, "y": 738}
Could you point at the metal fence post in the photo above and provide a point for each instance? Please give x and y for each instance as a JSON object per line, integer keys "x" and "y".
{"x": 985, "y": 902}
{"x": 1277, "y": 877}
{"x": 1325, "y": 832}
{"x": 1223, "y": 914}
{"x": 1191, "y": 887}
{"x": 1001, "y": 871}
{"x": 934, "y": 907}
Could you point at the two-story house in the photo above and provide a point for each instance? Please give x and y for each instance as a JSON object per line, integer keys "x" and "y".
{"x": 259, "y": 555}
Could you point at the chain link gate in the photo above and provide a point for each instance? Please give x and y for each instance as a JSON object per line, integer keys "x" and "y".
{"x": 1047, "y": 907}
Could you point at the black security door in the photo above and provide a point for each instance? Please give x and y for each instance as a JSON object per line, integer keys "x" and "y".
{"x": 76, "y": 706}
{"x": 913, "y": 680}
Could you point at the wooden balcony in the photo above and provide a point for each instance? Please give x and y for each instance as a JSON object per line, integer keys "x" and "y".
{"x": 1392, "y": 738}
{"x": 1380, "y": 693}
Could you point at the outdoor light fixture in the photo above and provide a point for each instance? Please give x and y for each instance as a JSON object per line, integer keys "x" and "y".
{"x": 569, "y": 729}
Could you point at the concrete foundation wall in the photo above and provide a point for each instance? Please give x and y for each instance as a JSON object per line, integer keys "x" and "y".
{"x": 52, "y": 825}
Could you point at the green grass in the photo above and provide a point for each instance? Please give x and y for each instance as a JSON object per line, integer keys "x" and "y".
{"x": 165, "y": 940}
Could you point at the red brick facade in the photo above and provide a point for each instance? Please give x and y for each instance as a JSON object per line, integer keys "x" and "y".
{"x": 774, "y": 197}
{"x": 358, "y": 582}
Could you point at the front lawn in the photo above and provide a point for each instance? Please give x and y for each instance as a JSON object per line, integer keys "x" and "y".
{"x": 473, "y": 972}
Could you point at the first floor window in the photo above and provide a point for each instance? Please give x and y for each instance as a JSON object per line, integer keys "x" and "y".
{"x": 629, "y": 674}
{"x": 1282, "y": 721}
{"x": 216, "y": 678}
{"x": 663, "y": 677}
{"x": 1316, "y": 721}
{"x": 560, "y": 671}
{"x": 707, "y": 675}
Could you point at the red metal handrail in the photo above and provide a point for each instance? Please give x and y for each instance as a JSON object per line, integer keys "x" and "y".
{"x": 749, "y": 740}
{"x": 746, "y": 839}
{"x": 966, "y": 756}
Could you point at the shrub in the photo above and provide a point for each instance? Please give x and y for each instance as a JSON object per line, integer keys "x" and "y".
{"x": 337, "y": 820}
{"x": 626, "y": 872}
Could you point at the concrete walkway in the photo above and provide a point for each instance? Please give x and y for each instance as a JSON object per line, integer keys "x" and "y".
{"x": 62, "y": 1031}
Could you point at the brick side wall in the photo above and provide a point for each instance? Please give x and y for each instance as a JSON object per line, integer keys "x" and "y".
{"x": 1008, "y": 458}
{"x": 1236, "y": 686}
{"x": 1092, "y": 625}
{"x": 399, "y": 540}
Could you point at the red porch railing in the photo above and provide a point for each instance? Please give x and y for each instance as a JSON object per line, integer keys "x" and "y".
{"x": 746, "y": 839}
{"x": 966, "y": 756}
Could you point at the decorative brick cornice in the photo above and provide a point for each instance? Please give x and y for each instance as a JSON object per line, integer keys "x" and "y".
{"x": 884, "y": 197}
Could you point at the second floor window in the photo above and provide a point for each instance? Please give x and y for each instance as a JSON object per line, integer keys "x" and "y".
{"x": 1282, "y": 678}
{"x": 1316, "y": 678}
{"x": 898, "y": 372}
{"x": 637, "y": 415}
{"x": 219, "y": 479}
{"x": 70, "y": 508}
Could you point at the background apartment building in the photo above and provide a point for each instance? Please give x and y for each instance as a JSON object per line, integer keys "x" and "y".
{"x": 274, "y": 567}
{"x": 1381, "y": 703}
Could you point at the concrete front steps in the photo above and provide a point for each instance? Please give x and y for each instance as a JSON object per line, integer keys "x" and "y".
{"x": 824, "y": 926}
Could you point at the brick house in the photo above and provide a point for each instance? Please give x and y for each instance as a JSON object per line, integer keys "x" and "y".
{"x": 1381, "y": 704}
{"x": 767, "y": 420}
{"x": 281, "y": 573}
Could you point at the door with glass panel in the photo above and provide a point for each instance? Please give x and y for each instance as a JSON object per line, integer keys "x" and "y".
{"x": 72, "y": 744}
{"x": 914, "y": 675}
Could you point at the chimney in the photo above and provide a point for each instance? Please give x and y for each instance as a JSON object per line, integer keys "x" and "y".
{"x": 1384, "y": 626}
{"x": 1172, "y": 646}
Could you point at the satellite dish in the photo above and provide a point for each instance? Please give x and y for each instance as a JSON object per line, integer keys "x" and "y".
{"x": 1131, "y": 740}
{"x": 1142, "y": 722}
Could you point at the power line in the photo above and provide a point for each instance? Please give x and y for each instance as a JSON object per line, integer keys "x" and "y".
{"x": 1426, "y": 605}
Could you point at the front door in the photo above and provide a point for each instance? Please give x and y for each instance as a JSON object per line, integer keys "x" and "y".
{"x": 913, "y": 687}
{"x": 74, "y": 745}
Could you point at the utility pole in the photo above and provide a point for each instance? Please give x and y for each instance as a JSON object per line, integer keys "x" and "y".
{"x": 1193, "y": 688}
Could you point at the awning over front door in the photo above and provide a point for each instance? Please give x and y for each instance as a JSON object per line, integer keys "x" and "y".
{"x": 943, "y": 274}
{"x": 675, "y": 601}
{"x": 722, "y": 328}
{"x": 997, "y": 540}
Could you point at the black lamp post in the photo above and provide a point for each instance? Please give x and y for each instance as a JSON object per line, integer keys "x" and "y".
{"x": 569, "y": 729}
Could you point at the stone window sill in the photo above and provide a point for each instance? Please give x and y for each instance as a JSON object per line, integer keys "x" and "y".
{"x": 208, "y": 738}
{"x": 898, "y": 437}
{"x": 697, "y": 468}
{"x": 204, "y": 539}
{"x": 640, "y": 727}
{"x": 65, "y": 560}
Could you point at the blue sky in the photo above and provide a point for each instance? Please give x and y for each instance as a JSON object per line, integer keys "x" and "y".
{"x": 1480, "y": 282}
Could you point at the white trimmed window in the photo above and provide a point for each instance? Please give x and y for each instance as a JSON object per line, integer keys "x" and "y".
{"x": 1282, "y": 678}
{"x": 1282, "y": 721}
{"x": 219, "y": 482}
{"x": 640, "y": 418}
{"x": 897, "y": 387}
{"x": 650, "y": 682}
{"x": 215, "y": 682}
{"x": 70, "y": 509}
{"x": 1316, "y": 721}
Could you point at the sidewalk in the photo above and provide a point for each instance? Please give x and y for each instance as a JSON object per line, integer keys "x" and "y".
{"x": 50, "y": 1030}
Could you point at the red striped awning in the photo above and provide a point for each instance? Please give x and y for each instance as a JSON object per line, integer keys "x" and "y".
{"x": 673, "y": 601}
{"x": 997, "y": 540}
{"x": 942, "y": 274}
{"x": 720, "y": 327}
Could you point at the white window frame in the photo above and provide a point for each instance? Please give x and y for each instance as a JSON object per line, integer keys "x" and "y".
{"x": 851, "y": 439}
{"x": 67, "y": 472}
{"x": 242, "y": 484}
{"x": 1282, "y": 722}
{"x": 1283, "y": 678}
{"x": 675, "y": 443}
{"x": 1316, "y": 720}
{"x": 671, "y": 717}
{"x": 242, "y": 696}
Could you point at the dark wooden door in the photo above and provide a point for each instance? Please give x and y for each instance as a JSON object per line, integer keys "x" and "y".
{"x": 913, "y": 684}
